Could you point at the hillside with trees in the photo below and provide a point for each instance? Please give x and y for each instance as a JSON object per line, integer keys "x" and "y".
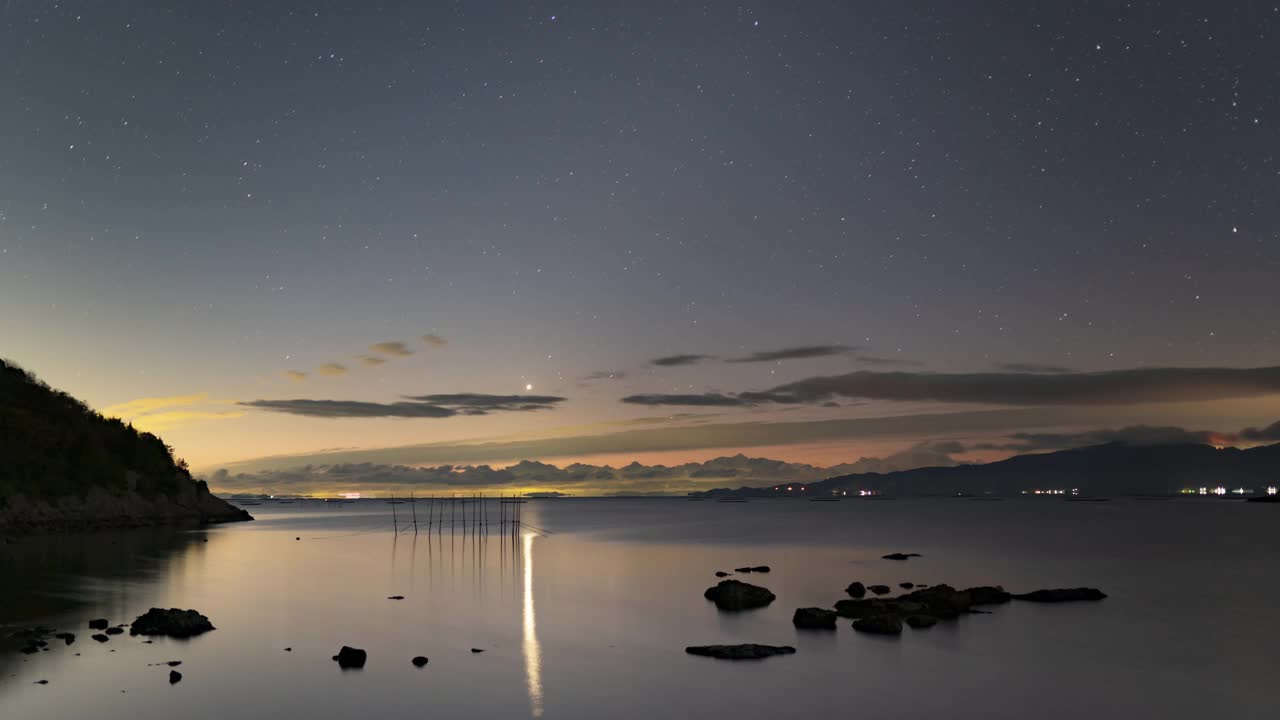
{"x": 64, "y": 466}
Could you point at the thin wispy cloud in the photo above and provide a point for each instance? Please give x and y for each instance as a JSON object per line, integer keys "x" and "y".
{"x": 1027, "y": 367}
{"x": 372, "y": 361}
{"x": 434, "y": 340}
{"x": 803, "y": 352}
{"x": 423, "y": 406}
{"x": 605, "y": 375}
{"x": 679, "y": 360}
{"x": 296, "y": 375}
{"x": 154, "y": 414}
{"x": 1115, "y": 387}
{"x": 332, "y": 369}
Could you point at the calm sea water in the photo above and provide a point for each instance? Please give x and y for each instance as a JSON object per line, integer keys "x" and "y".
{"x": 587, "y": 615}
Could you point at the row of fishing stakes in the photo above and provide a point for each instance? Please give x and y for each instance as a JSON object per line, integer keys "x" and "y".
{"x": 470, "y": 515}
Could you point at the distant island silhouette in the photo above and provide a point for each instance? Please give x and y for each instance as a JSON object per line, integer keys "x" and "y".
{"x": 66, "y": 467}
{"x": 1098, "y": 470}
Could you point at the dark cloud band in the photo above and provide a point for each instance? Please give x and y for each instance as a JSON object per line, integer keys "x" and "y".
{"x": 423, "y": 406}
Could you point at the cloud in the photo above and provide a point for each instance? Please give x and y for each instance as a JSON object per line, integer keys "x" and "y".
{"x": 604, "y": 375}
{"x": 332, "y": 369}
{"x": 425, "y": 406}
{"x": 372, "y": 361}
{"x": 395, "y": 349}
{"x": 1270, "y": 433}
{"x": 699, "y": 435}
{"x": 878, "y": 360}
{"x": 1130, "y": 435}
{"x": 434, "y": 340}
{"x": 154, "y": 414}
{"x": 145, "y": 406}
{"x": 576, "y": 478}
{"x": 698, "y": 400}
{"x": 480, "y": 404}
{"x": 295, "y": 375}
{"x": 793, "y": 353}
{"x": 677, "y": 360}
{"x": 1025, "y": 367}
{"x": 1114, "y": 387}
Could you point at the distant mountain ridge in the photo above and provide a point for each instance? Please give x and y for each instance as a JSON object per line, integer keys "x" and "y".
{"x": 65, "y": 467}
{"x": 1110, "y": 469}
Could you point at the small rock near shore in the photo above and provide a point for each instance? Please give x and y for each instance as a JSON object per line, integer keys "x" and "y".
{"x": 1056, "y": 595}
{"x": 349, "y": 657}
{"x": 814, "y": 618}
{"x": 747, "y": 651}
{"x": 115, "y": 631}
{"x": 879, "y": 589}
{"x": 174, "y": 676}
{"x": 721, "y": 573}
{"x": 856, "y": 590}
{"x": 100, "y": 637}
{"x": 395, "y": 597}
{"x": 99, "y": 624}
{"x": 736, "y": 595}
{"x": 419, "y": 661}
{"x": 172, "y": 622}
{"x": 920, "y": 622}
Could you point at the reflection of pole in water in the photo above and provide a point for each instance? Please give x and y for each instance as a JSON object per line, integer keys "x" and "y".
{"x": 532, "y": 651}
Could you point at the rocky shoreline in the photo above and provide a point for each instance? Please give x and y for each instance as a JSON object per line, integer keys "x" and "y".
{"x": 100, "y": 509}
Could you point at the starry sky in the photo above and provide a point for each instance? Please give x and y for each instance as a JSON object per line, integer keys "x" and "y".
{"x": 431, "y": 233}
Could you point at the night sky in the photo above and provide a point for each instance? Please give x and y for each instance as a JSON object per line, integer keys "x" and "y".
{"x": 643, "y": 231}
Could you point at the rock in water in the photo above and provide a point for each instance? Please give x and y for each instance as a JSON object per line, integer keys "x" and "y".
{"x": 349, "y": 657}
{"x": 760, "y": 568}
{"x": 941, "y": 601}
{"x": 115, "y": 631}
{"x": 477, "y": 650}
{"x": 856, "y": 589}
{"x": 66, "y": 637}
{"x": 986, "y": 595}
{"x": 99, "y": 624}
{"x": 737, "y": 595}
{"x": 1063, "y": 595}
{"x": 721, "y": 573}
{"x": 900, "y": 556}
{"x": 100, "y": 637}
{"x": 748, "y": 651}
{"x": 814, "y": 619}
{"x": 174, "y": 676}
{"x": 395, "y": 597}
{"x": 172, "y": 622}
{"x": 419, "y": 661}
{"x": 920, "y": 622}
{"x": 879, "y": 625}
{"x": 906, "y": 585}
{"x": 879, "y": 589}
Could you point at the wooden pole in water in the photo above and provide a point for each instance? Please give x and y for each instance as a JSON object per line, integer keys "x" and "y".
{"x": 395, "y": 524}
{"x": 413, "y": 505}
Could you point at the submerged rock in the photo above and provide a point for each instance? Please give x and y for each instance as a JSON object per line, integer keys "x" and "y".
{"x": 349, "y": 657}
{"x": 419, "y": 661}
{"x": 746, "y": 651}
{"x": 879, "y": 625}
{"x": 737, "y": 595}
{"x": 814, "y": 618}
{"x": 172, "y": 622}
{"x": 1056, "y": 595}
{"x": 856, "y": 589}
{"x": 920, "y": 622}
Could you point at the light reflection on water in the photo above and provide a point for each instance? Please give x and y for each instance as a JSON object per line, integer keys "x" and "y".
{"x": 532, "y": 652}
